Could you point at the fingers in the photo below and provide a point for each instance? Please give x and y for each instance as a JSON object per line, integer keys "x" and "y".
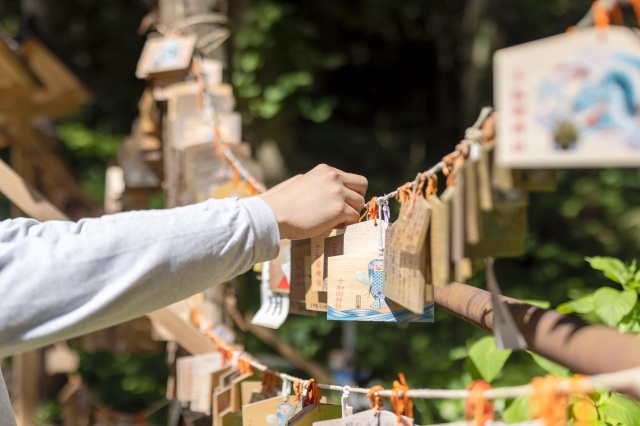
{"x": 355, "y": 182}
{"x": 354, "y": 199}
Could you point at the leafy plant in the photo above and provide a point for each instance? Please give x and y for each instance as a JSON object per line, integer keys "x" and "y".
{"x": 605, "y": 305}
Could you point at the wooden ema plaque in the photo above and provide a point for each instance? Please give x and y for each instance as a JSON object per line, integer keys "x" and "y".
{"x": 440, "y": 240}
{"x": 297, "y": 295}
{"x": 318, "y": 269}
{"x": 273, "y": 411}
{"x": 405, "y": 275}
{"x": 315, "y": 300}
{"x": 368, "y": 418}
{"x": 356, "y": 280}
{"x": 504, "y": 229}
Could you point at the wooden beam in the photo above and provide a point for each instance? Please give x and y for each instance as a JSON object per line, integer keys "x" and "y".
{"x": 185, "y": 334}
{"x": 26, "y": 368}
{"x": 26, "y": 197}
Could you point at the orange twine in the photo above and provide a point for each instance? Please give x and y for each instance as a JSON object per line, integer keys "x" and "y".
{"x": 546, "y": 402}
{"x": 403, "y": 193}
{"x": 297, "y": 390}
{"x": 270, "y": 380}
{"x": 376, "y": 401}
{"x": 432, "y": 186}
{"x": 244, "y": 364}
{"x": 600, "y": 15}
{"x": 417, "y": 190}
{"x": 401, "y": 404}
{"x": 478, "y": 408}
{"x": 371, "y": 211}
{"x": 489, "y": 128}
{"x": 314, "y": 394}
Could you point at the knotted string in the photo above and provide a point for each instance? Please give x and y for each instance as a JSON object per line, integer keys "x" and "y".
{"x": 478, "y": 408}
{"x": 401, "y": 404}
{"x": 376, "y": 401}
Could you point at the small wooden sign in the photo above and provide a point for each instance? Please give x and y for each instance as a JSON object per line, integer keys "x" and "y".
{"x": 368, "y": 418}
{"x": 318, "y": 269}
{"x": 314, "y": 300}
{"x": 405, "y": 275}
{"x": 412, "y": 225}
{"x": 355, "y": 292}
{"x": 162, "y": 55}
{"x": 314, "y": 413}
{"x": 504, "y": 228}
{"x": 194, "y": 377}
{"x": 570, "y": 100}
{"x": 440, "y": 238}
{"x": 273, "y": 411}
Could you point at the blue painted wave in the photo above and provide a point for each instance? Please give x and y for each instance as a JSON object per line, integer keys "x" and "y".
{"x": 403, "y": 315}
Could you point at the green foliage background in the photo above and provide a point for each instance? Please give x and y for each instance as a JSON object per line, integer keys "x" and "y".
{"x": 382, "y": 88}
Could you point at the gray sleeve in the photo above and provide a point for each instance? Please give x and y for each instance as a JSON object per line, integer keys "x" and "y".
{"x": 62, "y": 279}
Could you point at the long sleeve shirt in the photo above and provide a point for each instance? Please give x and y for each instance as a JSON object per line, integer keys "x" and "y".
{"x": 60, "y": 280}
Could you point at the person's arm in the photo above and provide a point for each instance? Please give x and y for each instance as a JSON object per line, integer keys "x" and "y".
{"x": 59, "y": 279}
{"x": 59, "y": 286}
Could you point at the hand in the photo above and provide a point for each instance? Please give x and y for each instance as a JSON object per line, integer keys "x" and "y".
{"x": 321, "y": 199}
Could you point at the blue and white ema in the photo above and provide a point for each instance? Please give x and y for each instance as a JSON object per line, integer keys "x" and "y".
{"x": 374, "y": 278}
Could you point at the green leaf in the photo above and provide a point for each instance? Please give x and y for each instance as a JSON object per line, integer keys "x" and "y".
{"x": 544, "y": 304}
{"x": 274, "y": 93}
{"x": 620, "y": 410}
{"x": 550, "y": 366}
{"x": 250, "y": 61}
{"x": 487, "y": 358}
{"x": 613, "y": 268}
{"x": 612, "y": 305}
{"x": 517, "y": 411}
{"x": 583, "y": 305}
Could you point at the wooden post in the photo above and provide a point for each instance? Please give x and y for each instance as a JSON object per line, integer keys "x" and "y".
{"x": 26, "y": 367}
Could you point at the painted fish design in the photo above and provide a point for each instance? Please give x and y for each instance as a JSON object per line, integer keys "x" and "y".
{"x": 374, "y": 279}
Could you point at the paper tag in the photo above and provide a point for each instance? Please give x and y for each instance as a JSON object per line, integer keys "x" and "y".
{"x": 274, "y": 307}
{"x": 440, "y": 237}
{"x": 273, "y": 412}
{"x": 368, "y": 418}
{"x": 165, "y": 54}
{"x": 570, "y": 100}
{"x": 355, "y": 292}
{"x": 411, "y": 228}
{"x": 314, "y": 413}
{"x": 404, "y": 274}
